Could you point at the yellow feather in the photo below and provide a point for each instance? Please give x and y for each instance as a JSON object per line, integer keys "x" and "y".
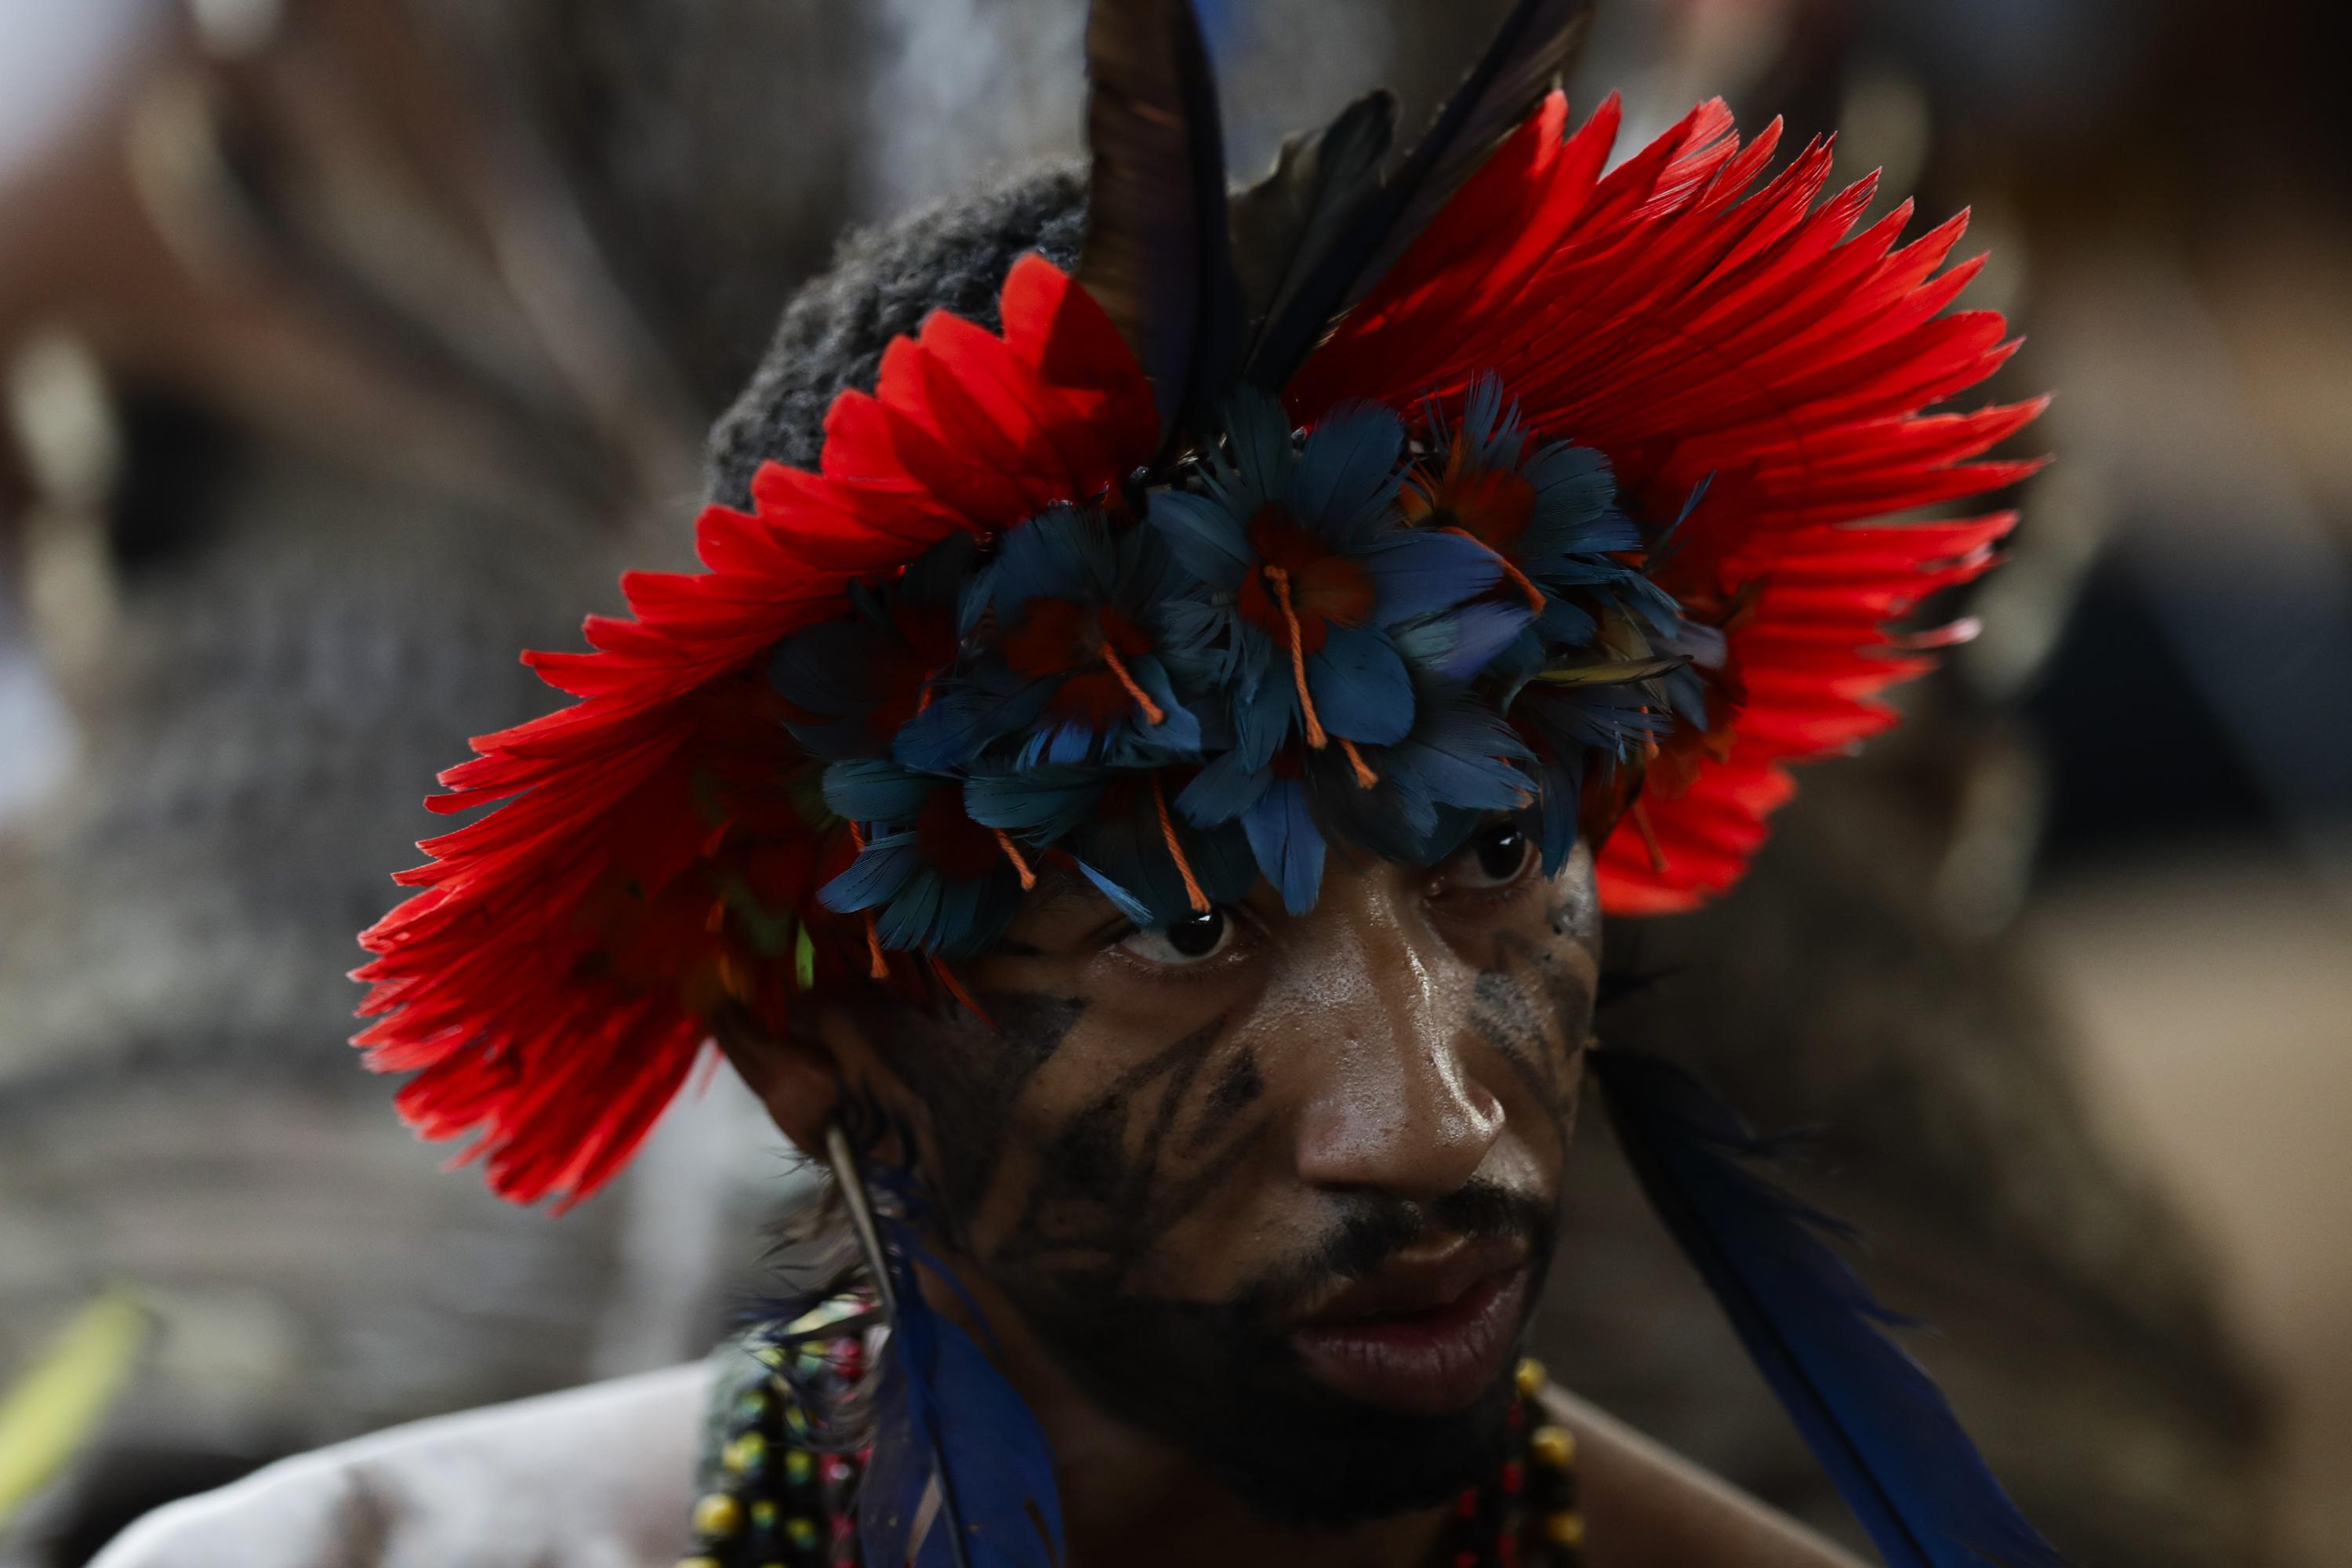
{"x": 54, "y": 1409}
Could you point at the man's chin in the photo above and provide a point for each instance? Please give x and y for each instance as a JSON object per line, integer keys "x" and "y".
{"x": 1341, "y": 1462}
{"x": 1248, "y": 1406}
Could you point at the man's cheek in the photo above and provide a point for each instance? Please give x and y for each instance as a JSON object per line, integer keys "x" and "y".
{"x": 1116, "y": 1173}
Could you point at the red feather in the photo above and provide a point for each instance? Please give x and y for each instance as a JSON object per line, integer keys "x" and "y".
{"x": 549, "y": 982}
{"x": 1697, "y": 329}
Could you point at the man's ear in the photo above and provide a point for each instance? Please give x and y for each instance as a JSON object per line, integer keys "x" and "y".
{"x": 797, "y": 1076}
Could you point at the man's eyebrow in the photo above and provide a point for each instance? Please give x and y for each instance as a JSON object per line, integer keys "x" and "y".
{"x": 1059, "y": 887}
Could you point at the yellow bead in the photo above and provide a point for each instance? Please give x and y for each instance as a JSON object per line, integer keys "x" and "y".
{"x": 803, "y": 1533}
{"x": 1530, "y": 1378}
{"x": 744, "y": 1454}
{"x": 718, "y": 1515}
{"x": 1554, "y": 1447}
{"x": 763, "y": 1514}
{"x": 799, "y": 1466}
{"x": 1565, "y": 1528}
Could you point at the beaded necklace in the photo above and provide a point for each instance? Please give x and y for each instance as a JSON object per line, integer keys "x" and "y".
{"x": 772, "y": 1497}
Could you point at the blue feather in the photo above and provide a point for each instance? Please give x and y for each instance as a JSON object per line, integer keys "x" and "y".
{"x": 1414, "y": 571}
{"x": 1361, "y": 687}
{"x": 1869, "y": 1412}
{"x": 1346, "y": 477}
{"x": 867, "y": 789}
{"x": 881, "y": 868}
{"x": 1203, "y": 536}
{"x": 1044, "y": 804}
{"x": 947, "y": 1408}
{"x": 1288, "y": 844}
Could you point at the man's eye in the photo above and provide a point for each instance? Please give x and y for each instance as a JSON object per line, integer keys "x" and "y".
{"x": 1183, "y": 942}
{"x": 1495, "y": 858}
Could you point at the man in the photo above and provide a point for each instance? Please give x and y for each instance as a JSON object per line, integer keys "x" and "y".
{"x": 1135, "y": 796}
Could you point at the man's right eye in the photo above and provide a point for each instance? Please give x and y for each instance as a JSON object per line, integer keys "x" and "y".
{"x": 1183, "y": 942}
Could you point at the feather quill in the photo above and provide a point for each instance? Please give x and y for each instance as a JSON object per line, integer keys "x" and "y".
{"x": 946, "y": 1417}
{"x": 1157, "y": 257}
{"x": 1529, "y": 53}
{"x": 1869, "y": 1412}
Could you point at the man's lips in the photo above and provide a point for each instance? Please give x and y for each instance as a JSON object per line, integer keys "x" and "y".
{"x": 1421, "y": 1336}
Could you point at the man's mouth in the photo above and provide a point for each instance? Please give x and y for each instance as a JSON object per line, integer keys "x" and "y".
{"x": 1423, "y": 1336}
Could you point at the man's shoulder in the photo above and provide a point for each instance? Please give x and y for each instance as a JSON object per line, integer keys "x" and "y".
{"x": 599, "y": 1476}
{"x": 1647, "y": 1505}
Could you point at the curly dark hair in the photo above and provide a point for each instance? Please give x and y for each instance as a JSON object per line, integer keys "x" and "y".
{"x": 883, "y": 282}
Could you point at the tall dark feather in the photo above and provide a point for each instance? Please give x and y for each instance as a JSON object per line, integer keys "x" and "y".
{"x": 1870, "y": 1413}
{"x": 1156, "y": 256}
{"x": 1529, "y": 56}
{"x": 1285, "y": 225}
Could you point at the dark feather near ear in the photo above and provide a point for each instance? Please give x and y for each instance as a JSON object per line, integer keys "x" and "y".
{"x": 1868, "y": 1411}
{"x": 1156, "y": 256}
{"x": 1531, "y": 53}
{"x": 1285, "y": 225}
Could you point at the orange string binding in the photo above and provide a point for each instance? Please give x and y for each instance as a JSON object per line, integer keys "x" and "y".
{"x": 1641, "y": 815}
{"x": 1152, "y": 712}
{"x": 1280, "y": 577}
{"x": 1510, "y": 569}
{"x": 1011, "y": 853}
{"x": 1192, "y": 893}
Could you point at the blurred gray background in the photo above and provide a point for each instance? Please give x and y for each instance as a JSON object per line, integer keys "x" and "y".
{"x": 348, "y": 346}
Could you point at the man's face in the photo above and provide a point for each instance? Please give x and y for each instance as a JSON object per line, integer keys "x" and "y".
{"x": 1279, "y": 1189}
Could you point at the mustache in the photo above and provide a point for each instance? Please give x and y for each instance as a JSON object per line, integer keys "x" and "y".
{"x": 1375, "y": 1227}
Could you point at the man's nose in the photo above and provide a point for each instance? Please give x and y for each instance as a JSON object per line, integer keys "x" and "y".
{"x": 1391, "y": 1105}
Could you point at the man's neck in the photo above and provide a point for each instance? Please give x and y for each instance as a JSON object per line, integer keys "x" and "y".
{"x": 1129, "y": 1499}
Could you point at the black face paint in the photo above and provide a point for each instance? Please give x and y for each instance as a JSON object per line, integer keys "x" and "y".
{"x": 969, "y": 1077}
{"x": 1520, "y": 1000}
{"x": 1221, "y": 1380}
{"x": 1135, "y": 1160}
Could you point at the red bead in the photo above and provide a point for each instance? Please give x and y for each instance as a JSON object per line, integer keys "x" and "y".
{"x": 1517, "y": 1416}
{"x": 1465, "y": 1560}
{"x": 1466, "y": 1505}
{"x": 1512, "y": 1478}
{"x": 1507, "y": 1551}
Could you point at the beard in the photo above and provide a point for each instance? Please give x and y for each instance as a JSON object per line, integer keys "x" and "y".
{"x": 1221, "y": 1380}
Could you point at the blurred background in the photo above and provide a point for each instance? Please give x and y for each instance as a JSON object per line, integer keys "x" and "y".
{"x": 348, "y": 346}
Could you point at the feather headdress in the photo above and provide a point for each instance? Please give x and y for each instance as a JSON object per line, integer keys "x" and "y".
{"x": 1366, "y": 502}
{"x": 1370, "y": 498}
